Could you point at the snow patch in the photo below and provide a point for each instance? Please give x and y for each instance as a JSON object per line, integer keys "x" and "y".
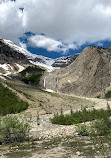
{"x": 47, "y": 67}
{"x": 21, "y": 68}
{"x": 49, "y": 90}
{"x": 4, "y": 66}
{"x": 10, "y": 67}
{"x": 9, "y": 70}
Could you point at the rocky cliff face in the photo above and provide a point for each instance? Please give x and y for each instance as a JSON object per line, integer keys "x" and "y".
{"x": 12, "y": 61}
{"x": 9, "y": 55}
{"x": 64, "y": 61}
{"x": 87, "y": 75}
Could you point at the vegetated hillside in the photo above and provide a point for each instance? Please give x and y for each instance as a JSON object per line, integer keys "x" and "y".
{"x": 87, "y": 75}
{"x": 45, "y": 102}
{"x": 32, "y": 75}
{"x": 14, "y": 59}
{"x": 10, "y": 103}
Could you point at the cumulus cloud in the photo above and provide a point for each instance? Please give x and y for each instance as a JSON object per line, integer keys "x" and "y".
{"x": 71, "y": 21}
{"x": 11, "y": 21}
{"x": 42, "y": 41}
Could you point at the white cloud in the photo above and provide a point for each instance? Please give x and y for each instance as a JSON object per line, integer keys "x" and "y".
{"x": 23, "y": 45}
{"x": 11, "y": 22}
{"x": 71, "y": 21}
{"x": 50, "y": 44}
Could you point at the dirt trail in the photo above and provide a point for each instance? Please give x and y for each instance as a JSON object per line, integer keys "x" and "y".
{"x": 99, "y": 103}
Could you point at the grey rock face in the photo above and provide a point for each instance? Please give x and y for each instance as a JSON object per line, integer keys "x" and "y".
{"x": 9, "y": 55}
{"x": 64, "y": 61}
{"x": 87, "y": 75}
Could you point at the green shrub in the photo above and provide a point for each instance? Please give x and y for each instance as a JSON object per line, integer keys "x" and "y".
{"x": 103, "y": 126}
{"x": 12, "y": 130}
{"x": 32, "y": 70}
{"x": 82, "y": 130}
{"x": 31, "y": 75}
{"x": 80, "y": 116}
{"x": 10, "y": 103}
{"x": 108, "y": 95}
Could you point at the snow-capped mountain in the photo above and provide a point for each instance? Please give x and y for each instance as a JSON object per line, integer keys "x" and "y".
{"x": 64, "y": 61}
{"x": 41, "y": 60}
{"x": 14, "y": 59}
{"x": 33, "y": 58}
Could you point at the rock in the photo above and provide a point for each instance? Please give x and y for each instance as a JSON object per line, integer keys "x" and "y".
{"x": 78, "y": 153}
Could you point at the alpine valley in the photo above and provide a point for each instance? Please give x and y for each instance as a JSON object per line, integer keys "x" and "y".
{"x": 66, "y": 102}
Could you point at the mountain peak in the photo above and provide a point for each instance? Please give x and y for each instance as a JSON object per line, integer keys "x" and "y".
{"x": 87, "y": 75}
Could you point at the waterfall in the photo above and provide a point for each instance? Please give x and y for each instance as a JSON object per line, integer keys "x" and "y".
{"x": 47, "y": 87}
{"x": 57, "y": 84}
{"x": 45, "y": 81}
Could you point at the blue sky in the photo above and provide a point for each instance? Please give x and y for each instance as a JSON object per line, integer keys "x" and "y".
{"x": 54, "y": 54}
{"x": 56, "y": 28}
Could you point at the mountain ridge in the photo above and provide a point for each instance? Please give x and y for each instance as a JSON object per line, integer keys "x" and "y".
{"x": 83, "y": 74}
{"x": 14, "y": 59}
{"x": 88, "y": 74}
